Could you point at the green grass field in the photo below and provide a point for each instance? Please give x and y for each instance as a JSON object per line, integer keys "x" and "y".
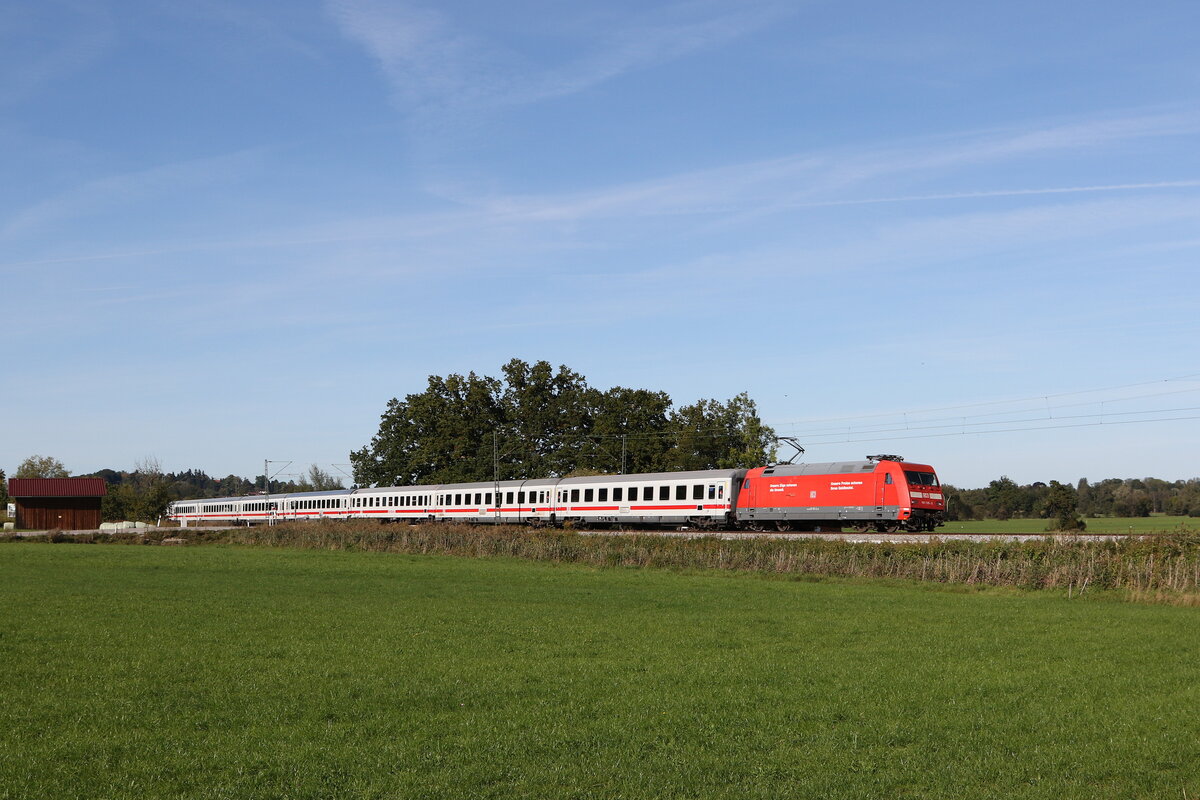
{"x": 1099, "y": 525}
{"x": 213, "y": 672}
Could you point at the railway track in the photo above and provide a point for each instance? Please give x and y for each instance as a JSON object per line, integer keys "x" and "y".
{"x": 862, "y": 538}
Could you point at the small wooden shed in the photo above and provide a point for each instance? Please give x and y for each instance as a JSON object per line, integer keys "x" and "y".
{"x": 71, "y": 504}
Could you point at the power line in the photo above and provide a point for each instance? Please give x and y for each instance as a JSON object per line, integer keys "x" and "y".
{"x": 963, "y": 424}
{"x": 987, "y": 403}
{"x": 1010, "y": 430}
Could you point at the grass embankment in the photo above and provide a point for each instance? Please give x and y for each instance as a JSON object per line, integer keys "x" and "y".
{"x": 1157, "y": 524}
{"x": 1163, "y": 568}
{"x": 219, "y": 672}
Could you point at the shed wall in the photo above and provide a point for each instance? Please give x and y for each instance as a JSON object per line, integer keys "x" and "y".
{"x": 67, "y": 513}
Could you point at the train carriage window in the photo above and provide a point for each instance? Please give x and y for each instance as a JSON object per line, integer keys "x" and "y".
{"x": 487, "y": 498}
{"x": 574, "y": 495}
{"x": 721, "y": 492}
{"x": 664, "y": 493}
{"x": 633, "y": 493}
{"x": 888, "y": 479}
{"x": 458, "y": 499}
{"x": 698, "y": 491}
{"x": 520, "y": 498}
{"x": 478, "y": 498}
{"x": 681, "y": 493}
{"x": 542, "y": 497}
{"x": 588, "y": 494}
{"x": 603, "y": 498}
{"x": 618, "y": 494}
{"x": 509, "y": 498}
{"x": 712, "y": 492}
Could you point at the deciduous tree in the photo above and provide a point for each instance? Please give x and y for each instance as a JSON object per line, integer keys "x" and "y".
{"x": 42, "y": 467}
{"x": 542, "y": 422}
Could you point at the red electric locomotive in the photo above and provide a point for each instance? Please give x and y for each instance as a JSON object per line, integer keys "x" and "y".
{"x": 883, "y": 493}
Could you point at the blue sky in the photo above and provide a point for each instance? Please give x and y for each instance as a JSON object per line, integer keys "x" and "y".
{"x": 965, "y": 233}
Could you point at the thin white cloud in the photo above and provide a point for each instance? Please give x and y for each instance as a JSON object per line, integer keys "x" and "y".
{"x": 31, "y": 62}
{"x": 430, "y": 61}
{"x": 730, "y": 197}
{"x": 838, "y": 176}
{"x": 115, "y": 190}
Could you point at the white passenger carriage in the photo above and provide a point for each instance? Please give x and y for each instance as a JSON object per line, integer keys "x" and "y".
{"x": 701, "y": 499}
{"x": 258, "y": 509}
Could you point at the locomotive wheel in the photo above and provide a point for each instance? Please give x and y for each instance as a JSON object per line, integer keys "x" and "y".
{"x": 782, "y": 525}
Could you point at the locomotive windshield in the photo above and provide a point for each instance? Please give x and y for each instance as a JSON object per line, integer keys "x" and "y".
{"x": 920, "y": 478}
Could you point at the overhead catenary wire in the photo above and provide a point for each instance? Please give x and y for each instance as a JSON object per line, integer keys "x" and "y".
{"x": 1011, "y": 401}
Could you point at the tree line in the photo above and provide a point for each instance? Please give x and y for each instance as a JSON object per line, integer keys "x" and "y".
{"x": 1003, "y": 499}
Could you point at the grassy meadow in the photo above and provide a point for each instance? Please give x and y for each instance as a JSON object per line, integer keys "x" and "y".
{"x": 251, "y": 672}
{"x": 1157, "y": 523}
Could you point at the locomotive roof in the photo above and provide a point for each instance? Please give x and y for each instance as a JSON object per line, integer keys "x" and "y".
{"x": 833, "y": 467}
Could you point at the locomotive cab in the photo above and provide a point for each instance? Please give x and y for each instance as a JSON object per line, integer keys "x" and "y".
{"x": 922, "y": 506}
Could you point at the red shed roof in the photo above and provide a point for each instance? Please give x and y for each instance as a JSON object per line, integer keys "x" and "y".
{"x": 57, "y": 487}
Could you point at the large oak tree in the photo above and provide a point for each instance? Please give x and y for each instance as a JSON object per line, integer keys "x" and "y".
{"x": 539, "y": 422}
